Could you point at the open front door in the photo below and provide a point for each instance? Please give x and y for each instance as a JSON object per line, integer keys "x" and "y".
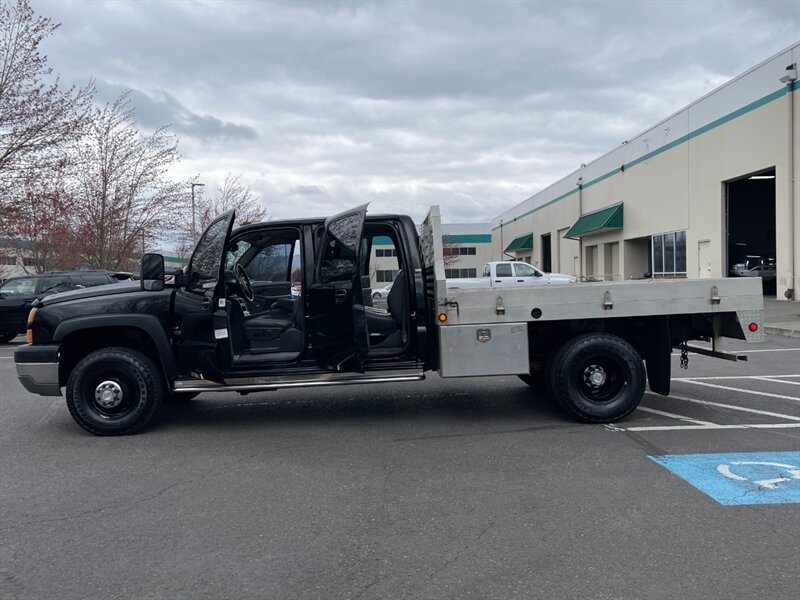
{"x": 337, "y": 323}
{"x": 201, "y": 307}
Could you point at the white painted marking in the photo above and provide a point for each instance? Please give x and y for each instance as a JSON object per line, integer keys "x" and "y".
{"x": 734, "y": 377}
{"x": 774, "y": 380}
{"x": 751, "y": 351}
{"x": 767, "y": 350}
{"x": 770, "y": 484}
{"x": 706, "y": 427}
{"x": 740, "y": 408}
{"x": 7, "y": 357}
{"x": 733, "y": 389}
{"x": 674, "y": 416}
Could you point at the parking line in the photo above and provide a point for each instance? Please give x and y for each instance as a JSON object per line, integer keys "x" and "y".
{"x": 773, "y": 380}
{"x": 754, "y": 351}
{"x": 674, "y": 416}
{"x": 735, "y": 377}
{"x": 733, "y": 389}
{"x": 766, "y": 350}
{"x": 705, "y": 427}
{"x": 734, "y": 407}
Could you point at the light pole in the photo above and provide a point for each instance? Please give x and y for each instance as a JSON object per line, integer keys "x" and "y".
{"x": 194, "y": 228}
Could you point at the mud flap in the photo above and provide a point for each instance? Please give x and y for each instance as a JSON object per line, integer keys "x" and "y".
{"x": 658, "y": 351}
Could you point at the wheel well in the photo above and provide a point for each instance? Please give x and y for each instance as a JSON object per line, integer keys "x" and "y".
{"x": 79, "y": 344}
{"x": 545, "y": 338}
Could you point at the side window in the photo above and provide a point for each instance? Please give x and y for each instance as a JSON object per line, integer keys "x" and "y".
{"x": 338, "y": 262}
{"x": 503, "y": 270}
{"x": 524, "y": 270}
{"x": 235, "y": 252}
{"x": 19, "y": 286}
{"x": 57, "y": 284}
{"x": 272, "y": 263}
{"x": 203, "y": 270}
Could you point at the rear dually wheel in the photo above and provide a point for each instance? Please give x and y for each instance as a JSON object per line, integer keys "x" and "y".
{"x": 597, "y": 377}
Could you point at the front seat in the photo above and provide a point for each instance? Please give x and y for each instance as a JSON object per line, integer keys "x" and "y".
{"x": 385, "y": 323}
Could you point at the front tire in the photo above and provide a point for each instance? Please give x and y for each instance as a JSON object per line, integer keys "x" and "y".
{"x": 114, "y": 391}
{"x": 7, "y": 336}
{"x": 597, "y": 377}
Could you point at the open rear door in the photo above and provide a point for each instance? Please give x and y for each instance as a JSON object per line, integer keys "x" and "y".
{"x": 337, "y": 323}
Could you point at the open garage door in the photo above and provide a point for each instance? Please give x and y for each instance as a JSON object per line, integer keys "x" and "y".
{"x": 751, "y": 228}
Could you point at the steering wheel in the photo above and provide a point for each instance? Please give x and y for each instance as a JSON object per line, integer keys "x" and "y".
{"x": 243, "y": 281}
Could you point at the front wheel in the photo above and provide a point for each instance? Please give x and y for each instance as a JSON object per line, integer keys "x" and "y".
{"x": 114, "y": 391}
{"x": 7, "y": 336}
{"x": 597, "y": 377}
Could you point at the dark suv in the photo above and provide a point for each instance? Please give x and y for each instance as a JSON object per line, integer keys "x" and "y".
{"x": 17, "y": 294}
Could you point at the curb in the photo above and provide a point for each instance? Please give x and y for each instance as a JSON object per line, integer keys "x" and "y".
{"x": 790, "y": 332}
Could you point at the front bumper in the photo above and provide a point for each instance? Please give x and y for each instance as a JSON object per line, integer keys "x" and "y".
{"x": 37, "y": 369}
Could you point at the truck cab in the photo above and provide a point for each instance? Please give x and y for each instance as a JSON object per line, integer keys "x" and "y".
{"x": 236, "y": 321}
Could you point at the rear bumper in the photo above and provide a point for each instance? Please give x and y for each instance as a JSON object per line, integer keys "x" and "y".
{"x": 37, "y": 369}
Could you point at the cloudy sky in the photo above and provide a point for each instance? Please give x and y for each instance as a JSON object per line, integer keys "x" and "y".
{"x": 471, "y": 105}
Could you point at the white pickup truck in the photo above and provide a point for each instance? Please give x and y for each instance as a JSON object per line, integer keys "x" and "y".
{"x": 509, "y": 273}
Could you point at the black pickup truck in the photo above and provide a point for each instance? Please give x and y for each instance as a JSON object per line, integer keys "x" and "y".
{"x": 233, "y": 321}
{"x": 236, "y": 321}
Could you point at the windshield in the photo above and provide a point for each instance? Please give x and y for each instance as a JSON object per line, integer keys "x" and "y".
{"x": 19, "y": 286}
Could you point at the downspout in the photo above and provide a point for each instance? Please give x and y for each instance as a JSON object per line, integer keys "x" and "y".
{"x": 794, "y": 210}
{"x": 502, "y": 244}
{"x": 580, "y": 239}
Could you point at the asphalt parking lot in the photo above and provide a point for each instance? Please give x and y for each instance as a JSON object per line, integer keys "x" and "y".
{"x": 471, "y": 488}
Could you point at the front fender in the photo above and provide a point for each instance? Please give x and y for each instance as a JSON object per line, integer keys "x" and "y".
{"x": 149, "y": 324}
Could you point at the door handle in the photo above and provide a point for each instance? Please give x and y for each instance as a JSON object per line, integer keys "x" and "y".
{"x": 205, "y": 304}
{"x": 340, "y": 296}
{"x": 520, "y": 281}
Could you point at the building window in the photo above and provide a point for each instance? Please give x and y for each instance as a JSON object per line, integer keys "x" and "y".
{"x": 385, "y": 275}
{"x": 385, "y": 252}
{"x": 8, "y": 260}
{"x": 669, "y": 254}
{"x": 460, "y": 251}
{"x": 30, "y": 262}
{"x": 461, "y": 273}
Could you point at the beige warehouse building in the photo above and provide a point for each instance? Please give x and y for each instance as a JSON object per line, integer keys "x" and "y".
{"x": 704, "y": 192}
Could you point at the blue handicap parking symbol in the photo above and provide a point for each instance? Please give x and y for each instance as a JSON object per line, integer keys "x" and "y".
{"x": 740, "y": 478}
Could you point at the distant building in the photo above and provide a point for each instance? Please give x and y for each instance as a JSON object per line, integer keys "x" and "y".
{"x": 15, "y": 258}
{"x": 710, "y": 191}
{"x": 467, "y": 247}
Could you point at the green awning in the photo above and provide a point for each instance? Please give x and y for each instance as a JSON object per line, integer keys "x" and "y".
{"x": 523, "y": 242}
{"x": 596, "y": 222}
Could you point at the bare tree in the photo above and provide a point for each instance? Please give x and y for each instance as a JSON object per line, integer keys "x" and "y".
{"x": 125, "y": 197}
{"x": 37, "y": 221}
{"x": 35, "y": 113}
{"x": 231, "y": 195}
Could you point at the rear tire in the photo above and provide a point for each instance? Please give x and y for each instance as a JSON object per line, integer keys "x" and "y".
{"x": 114, "y": 391}
{"x": 597, "y": 377}
{"x": 7, "y": 336}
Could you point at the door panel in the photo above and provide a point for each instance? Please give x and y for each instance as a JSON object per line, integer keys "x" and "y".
{"x": 337, "y": 325}
{"x": 204, "y": 344}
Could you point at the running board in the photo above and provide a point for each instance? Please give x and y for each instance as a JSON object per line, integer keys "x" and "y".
{"x": 255, "y": 384}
